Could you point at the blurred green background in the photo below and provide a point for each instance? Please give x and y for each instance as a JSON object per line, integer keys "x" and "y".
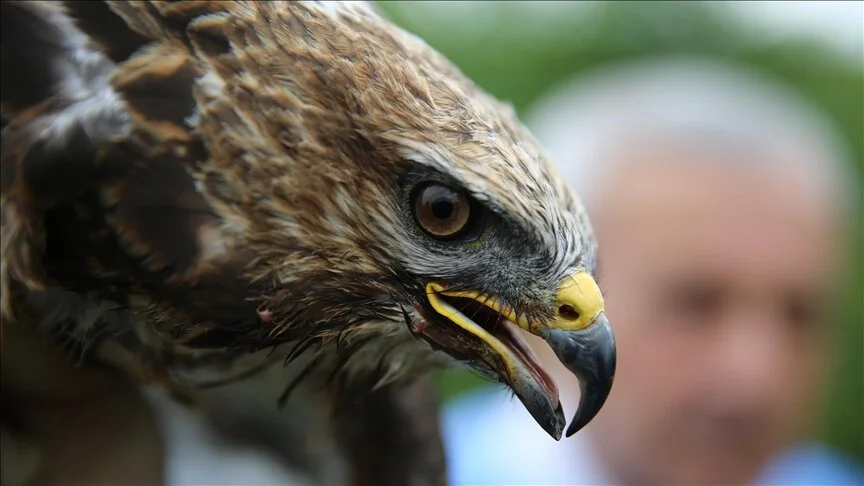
{"x": 516, "y": 52}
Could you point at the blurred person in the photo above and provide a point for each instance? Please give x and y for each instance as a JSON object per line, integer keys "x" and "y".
{"x": 720, "y": 203}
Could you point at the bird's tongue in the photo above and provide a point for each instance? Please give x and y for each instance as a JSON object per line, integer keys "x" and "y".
{"x": 531, "y": 383}
{"x": 511, "y": 335}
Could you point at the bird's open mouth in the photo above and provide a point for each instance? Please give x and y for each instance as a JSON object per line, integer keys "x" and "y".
{"x": 479, "y": 329}
{"x": 472, "y": 327}
{"x": 501, "y": 336}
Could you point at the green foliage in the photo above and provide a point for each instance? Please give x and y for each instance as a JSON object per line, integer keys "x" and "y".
{"x": 517, "y": 59}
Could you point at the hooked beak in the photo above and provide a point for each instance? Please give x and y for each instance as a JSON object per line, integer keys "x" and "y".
{"x": 579, "y": 335}
{"x": 590, "y": 355}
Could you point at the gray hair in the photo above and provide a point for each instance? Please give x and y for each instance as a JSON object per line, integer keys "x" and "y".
{"x": 711, "y": 104}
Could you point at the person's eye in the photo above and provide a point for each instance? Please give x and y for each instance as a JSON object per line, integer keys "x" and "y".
{"x": 693, "y": 303}
{"x": 806, "y": 314}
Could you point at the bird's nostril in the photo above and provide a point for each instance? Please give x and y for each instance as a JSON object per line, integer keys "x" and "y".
{"x": 567, "y": 312}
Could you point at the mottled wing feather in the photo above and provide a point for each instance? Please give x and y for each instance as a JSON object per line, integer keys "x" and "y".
{"x": 108, "y": 133}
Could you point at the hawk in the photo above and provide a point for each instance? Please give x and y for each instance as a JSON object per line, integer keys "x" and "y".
{"x": 194, "y": 190}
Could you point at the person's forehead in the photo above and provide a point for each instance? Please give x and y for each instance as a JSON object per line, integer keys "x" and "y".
{"x": 669, "y": 198}
{"x": 685, "y": 178}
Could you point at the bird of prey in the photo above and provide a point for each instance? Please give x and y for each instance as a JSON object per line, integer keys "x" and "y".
{"x": 194, "y": 190}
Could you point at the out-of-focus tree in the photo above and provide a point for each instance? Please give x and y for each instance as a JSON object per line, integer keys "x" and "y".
{"x": 519, "y": 50}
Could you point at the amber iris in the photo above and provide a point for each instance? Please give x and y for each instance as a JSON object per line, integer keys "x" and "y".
{"x": 441, "y": 211}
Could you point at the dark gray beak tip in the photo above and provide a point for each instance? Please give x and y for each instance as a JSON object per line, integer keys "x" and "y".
{"x": 555, "y": 428}
{"x": 551, "y": 420}
{"x": 590, "y": 354}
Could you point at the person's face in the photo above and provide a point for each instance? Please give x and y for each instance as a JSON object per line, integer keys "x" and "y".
{"x": 717, "y": 283}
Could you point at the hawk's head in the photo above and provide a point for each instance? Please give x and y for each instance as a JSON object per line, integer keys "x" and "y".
{"x": 358, "y": 186}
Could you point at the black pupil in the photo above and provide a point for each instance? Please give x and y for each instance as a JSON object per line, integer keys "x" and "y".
{"x": 442, "y": 208}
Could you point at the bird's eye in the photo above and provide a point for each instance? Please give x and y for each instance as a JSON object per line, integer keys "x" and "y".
{"x": 443, "y": 212}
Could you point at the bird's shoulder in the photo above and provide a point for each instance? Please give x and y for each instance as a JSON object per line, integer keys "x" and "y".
{"x": 124, "y": 200}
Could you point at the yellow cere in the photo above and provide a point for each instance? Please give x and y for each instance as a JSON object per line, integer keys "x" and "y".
{"x": 581, "y": 293}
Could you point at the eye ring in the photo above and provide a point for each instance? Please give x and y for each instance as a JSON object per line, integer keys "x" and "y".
{"x": 444, "y": 213}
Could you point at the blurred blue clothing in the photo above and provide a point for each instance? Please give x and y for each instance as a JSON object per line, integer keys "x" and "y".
{"x": 490, "y": 439}
{"x": 811, "y": 464}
